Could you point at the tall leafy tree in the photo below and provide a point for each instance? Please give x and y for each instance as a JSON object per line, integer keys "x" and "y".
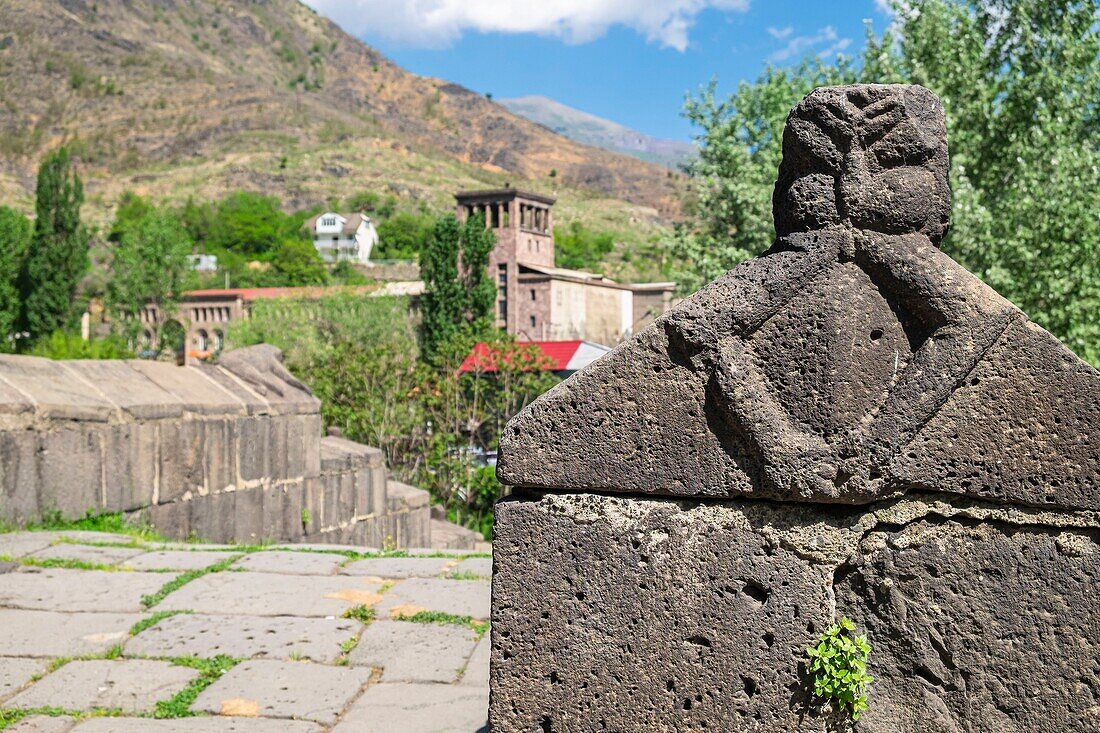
{"x": 58, "y": 255}
{"x": 296, "y": 262}
{"x": 458, "y": 296}
{"x": 15, "y": 238}
{"x": 149, "y": 266}
{"x": 1019, "y": 80}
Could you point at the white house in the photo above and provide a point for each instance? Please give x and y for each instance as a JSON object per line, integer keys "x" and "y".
{"x": 340, "y": 237}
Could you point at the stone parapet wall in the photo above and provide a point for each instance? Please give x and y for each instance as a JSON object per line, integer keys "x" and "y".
{"x": 225, "y": 453}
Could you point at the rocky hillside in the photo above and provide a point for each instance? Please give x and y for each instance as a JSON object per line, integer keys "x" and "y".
{"x": 198, "y": 97}
{"x": 592, "y": 130}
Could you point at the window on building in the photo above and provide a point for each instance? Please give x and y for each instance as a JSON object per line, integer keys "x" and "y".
{"x": 502, "y": 309}
{"x": 502, "y": 274}
{"x": 328, "y": 221}
{"x": 202, "y": 341}
{"x": 534, "y": 295}
{"x": 219, "y": 340}
{"x": 532, "y": 321}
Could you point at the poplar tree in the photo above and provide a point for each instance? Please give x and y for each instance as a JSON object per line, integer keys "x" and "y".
{"x": 15, "y": 237}
{"x": 58, "y": 255}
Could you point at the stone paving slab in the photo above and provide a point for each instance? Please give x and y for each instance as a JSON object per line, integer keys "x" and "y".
{"x": 56, "y": 634}
{"x": 423, "y": 551}
{"x": 7, "y": 566}
{"x": 15, "y": 672}
{"x": 181, "y": 560}
{"x": 284, "y": 690}
{"x": 477, "y": 668}
{"x": 50, "y": 589}
{"x": 411, "y": 652}
{"x": 269, "y": 594}
{"x": 88, "y": 554}
{"x": 479, "y": 566}
{"x": 318, "y": 547}
{"x": 18, "y": 544}
{"x": 398, "y": 708}
{"x": 291, "y": 563}
{"x": 460, "y": 597}
{"x": 195, "y": 725}
{"x": 43, "y": 724}
{"x": 82, "y": 536}
{"x": 399, "y": 567}
{"x": 130, "y": 685}
{"x": 245, "y": 637}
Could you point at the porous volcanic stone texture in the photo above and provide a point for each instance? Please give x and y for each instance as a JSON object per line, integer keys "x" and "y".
{"x": 850, "y": 362}
{"x": 980, "y": 628}
{"x": 622, "y": 614}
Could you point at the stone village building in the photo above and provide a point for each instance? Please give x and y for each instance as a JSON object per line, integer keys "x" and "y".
{"x": 537, "y": 301}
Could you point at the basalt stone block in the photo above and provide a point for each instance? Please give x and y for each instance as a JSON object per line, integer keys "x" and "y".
{"x": 656, "y": 615}
{"x": 850, "y": 362}
{"x": 172, "y": 519}
{"x": 257, "y": 448}
{"x": 250, "y": 515}
{"x": 129, "y": 465}
{"x": 181, "y": 458}
{"x": 197, "y": 392}
{"x": 978, "y": 627}
{"x": 219, "y": 447}
{"x": 18, "y": 476}
{"x": 136, "y": 395}
{"x": 53, "y": 389}
{"x": 261, "y": 368}
{"x": 253, "y": 402}
{"x": 214, "y": 517}
{"x": 70, "y": 470}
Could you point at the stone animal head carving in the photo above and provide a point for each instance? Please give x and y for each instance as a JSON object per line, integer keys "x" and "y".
{"x": 873, "y": 156}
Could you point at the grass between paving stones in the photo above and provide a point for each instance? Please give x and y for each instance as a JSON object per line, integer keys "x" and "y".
{"x": 210, "y": 670}
{"x": 441, "y": 617}
{"x": 466, "y": 575}
{"x": 183, "y": 579}
{"x": 10, "y": 716}
{"x": 153, "y": 620}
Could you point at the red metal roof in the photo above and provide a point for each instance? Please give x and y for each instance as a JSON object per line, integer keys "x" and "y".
{"x": 554, "y": 356}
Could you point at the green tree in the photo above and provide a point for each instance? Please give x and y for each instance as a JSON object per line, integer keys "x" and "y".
{"x": 458, "y": 294}
{"x": 58, "y": 255}
{"x": 403, "y": 236}
{"x": 148, "y": 267}
{"x": 1019, "y": 81}
{"x": 15, "y": 239}
{"x": 295, "y": 262}
{"x": 251, "y": 224}
{"x": 131, "y": 209}
{"x": 579, "y": 248}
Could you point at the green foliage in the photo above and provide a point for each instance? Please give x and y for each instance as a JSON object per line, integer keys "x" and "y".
{"x": 1019, "y": 83}
{"x": 447, "y": 619}
{"x": 296, "y": 262}
{"x": 579, "y": 248}
{"x": 15, "y": 239}
{"x": 131, "y": 209}
{"x": 839, "y": 667}
{"x": 152, "y": 620}
{"x": 149, "y": 265}
{"x": 344, "y": 273}
{"x": 250, "y": 224}
{"x": 114, "y": 523}
{"x": 459, "y": 297}
{"x": 58, "y": 254}
{"x": 210, "y": 671}
{"x": 362, "y": 614}
{"x": 69, "y": 345}
{"x": 370, "y": 202}
{"x": 403, "y": 236}
{"x": 184, "y": 578}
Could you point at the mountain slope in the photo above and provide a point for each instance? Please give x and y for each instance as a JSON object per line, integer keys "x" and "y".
{"x": 196, "y": 97}
{"x": 592, "y": 130}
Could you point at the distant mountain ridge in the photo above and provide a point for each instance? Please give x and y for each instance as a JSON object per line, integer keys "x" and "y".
{"x": 599, "y": 132}
{"x": 178, "y": 98}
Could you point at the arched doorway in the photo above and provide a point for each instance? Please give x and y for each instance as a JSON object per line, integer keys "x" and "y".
{"x": 173, "y": 339}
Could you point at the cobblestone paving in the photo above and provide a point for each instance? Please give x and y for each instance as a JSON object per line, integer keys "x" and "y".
{"x": 103, "y": 633}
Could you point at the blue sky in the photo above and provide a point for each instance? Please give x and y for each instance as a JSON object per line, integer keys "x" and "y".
{"x": 630, "y": 61}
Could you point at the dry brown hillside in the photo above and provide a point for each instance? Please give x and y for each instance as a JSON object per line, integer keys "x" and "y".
{"x": 182, "y": 97}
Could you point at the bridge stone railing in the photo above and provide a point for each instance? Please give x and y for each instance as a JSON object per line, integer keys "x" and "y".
{"x": 228, "y": 452}
{"x": 850, "y": 425}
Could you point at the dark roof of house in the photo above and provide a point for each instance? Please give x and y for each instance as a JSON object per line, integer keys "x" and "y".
{"x": 351, "y": 223}
{"x": 502, "y": 194}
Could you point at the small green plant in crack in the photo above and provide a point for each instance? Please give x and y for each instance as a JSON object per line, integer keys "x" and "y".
{"x": 362, "y": 614}
{"x": 153, "y": 620}
{"x": 181, "y": 580}
{"x": 839, "y": 667}
{"x": 447, "y": 619}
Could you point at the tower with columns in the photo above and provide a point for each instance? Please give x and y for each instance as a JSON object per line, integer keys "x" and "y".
{"x": 524, "y": 228}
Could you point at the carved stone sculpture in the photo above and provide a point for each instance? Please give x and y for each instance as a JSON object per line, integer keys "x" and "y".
{"x": 639, "y": 585}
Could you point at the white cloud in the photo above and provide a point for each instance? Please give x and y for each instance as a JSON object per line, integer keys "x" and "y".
{"x": 435, "y": 23}
{"x": 780, "y": 33}
{"x": 824, "y": 43}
